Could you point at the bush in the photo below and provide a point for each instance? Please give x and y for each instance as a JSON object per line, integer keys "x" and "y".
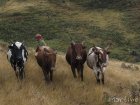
{"x": 117, "y": 4}
{"x": 131, "y": 19}
{"x": 106, "y": 35}
{"x": 113, "y": 4}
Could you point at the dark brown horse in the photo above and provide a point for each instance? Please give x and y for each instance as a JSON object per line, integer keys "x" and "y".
{"x": 76, "y": 56}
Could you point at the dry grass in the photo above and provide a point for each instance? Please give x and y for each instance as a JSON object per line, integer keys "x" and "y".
{"x": 13, "y": 6}
{"x": 64, "y": 90}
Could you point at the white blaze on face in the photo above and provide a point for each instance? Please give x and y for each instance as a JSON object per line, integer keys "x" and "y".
{"x": 9, "y": 54}
{"x": 18, "y": 44}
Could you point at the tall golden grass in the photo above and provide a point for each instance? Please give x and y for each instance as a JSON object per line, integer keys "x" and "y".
{"x": 64, "y": 90}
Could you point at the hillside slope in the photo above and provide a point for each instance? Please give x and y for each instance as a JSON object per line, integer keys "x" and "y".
{"x": 57, "y": 20}
{"x": 65, "y": 90}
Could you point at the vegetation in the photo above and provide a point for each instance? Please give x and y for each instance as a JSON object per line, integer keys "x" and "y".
{"x": 96, "y": 22}
{"x": 93, "y": 21}
{"x": 65, "y": 90}
{"x": 107, "y": 4}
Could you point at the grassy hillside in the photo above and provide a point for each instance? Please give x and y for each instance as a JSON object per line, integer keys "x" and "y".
{"x": 65, "y": 90}
{"x": 94, "y": 21}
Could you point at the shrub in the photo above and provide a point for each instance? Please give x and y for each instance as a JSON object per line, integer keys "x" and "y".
{"x": 106, "y": 35}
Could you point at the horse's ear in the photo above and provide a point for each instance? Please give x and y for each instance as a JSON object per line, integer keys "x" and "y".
{"x": 108, "y": 46}
{"x": 84, "y": 47}
{"x": 72, "y": 43}
{"x": 83, "y": 42}
{"x": 10, "y": 46}
{"x": 37, "y": 49}
{"x": 94, "y": 48}
{"x": 23, "y": 42}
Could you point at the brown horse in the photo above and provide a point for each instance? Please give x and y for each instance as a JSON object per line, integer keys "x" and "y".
{"x": 46, "y": 58}
{"x": 76, "y": 56}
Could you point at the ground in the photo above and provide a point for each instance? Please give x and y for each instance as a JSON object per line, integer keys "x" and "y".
{"x": 65, "y": 90}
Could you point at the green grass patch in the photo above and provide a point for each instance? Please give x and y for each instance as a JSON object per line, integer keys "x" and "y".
{"x": 116, "y": 37}
{"x": 59, "y": 29}
{"x": 3, "y": 2}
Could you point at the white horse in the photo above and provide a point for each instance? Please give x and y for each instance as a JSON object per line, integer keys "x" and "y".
{"x": 97, "y": 59}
